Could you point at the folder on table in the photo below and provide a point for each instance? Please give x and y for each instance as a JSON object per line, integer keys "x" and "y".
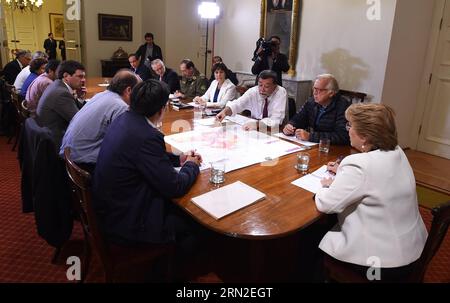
{"x": 228, "y": 199}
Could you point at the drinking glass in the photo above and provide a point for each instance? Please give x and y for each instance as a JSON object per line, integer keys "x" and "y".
{"x": 302, "y": 162}
{"x": 324, "y": 145}
{"x": 217, "y": 172}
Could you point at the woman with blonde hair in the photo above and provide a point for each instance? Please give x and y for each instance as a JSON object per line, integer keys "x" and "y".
{"x": 374, "y": 196}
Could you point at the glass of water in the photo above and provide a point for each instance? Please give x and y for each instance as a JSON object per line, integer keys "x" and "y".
{"x": 303, "y": 162}
{"x": 217, "y": 172}
{"x": 324, "y": 145}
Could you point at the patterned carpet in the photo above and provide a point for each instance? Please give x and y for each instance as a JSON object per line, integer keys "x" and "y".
{"x": 25, "y": 257}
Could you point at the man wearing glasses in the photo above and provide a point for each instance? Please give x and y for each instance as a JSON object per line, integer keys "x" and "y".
{"x": 323, "y": 115}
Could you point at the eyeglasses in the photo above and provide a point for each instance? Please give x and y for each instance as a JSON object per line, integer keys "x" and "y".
{"x": 348, "y": 126}
{"x": 319, "y": 90}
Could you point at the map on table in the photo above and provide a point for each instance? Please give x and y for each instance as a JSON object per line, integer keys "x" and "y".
{"x": 233, "y": 145}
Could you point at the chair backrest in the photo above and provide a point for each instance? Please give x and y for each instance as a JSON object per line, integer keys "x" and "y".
{"x": 81, "y": 194}
{"x": 353, "y": 97}
{"x": 439, "y": 227}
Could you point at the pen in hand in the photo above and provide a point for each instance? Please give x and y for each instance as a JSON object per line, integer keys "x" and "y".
{"x": 332, "y": 166}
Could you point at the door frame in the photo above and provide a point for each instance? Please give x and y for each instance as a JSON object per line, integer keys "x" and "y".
{"x": 438, "y": 14}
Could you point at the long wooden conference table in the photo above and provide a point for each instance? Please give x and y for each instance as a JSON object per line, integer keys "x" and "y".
{"x": 286, "y": 209}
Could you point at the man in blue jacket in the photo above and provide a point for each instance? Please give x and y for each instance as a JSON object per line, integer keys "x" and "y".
{"x": 135, "y": 179}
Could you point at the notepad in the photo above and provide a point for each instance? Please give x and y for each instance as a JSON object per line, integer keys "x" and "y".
{"x": 311, "y": 182}
{"x": 228, "y": 199}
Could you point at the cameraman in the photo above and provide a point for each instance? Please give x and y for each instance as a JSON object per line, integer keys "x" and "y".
{"x": 272, "y": 59}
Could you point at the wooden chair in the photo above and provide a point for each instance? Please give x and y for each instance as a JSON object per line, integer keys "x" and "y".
{"x": 120, "y": 264}
{"x": 19, "y": 117}
{"x": 353, "y": 97}
{"x": 339, "y": 272}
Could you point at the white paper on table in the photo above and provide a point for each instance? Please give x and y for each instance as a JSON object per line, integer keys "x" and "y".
{"x": 207, "y": 121}
{"x": 311, "y": 182}
{"x": 295, "y": 139}
{"x": 239, "y": 119}
{"x": 194, "y": 104}
{"x": 237, "y": 147}
{"x": 228, "y": 199}
{"x": 103, "y": 84}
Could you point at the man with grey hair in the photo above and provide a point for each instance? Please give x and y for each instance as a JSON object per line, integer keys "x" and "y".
{"x": 25, "y": 72}
{"x": 167, "y": 75}
{"x": 13, "y": 68}
{"x": 323, "y": 115}
{"x": 88, "y": 127}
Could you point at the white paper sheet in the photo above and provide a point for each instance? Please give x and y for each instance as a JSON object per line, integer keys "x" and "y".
{"x": 228, "y": 199}
{"x": 311, "y": 182}
{"x": 239, "y": 148}
{"x": 294, "y": 139}
{"x": 239, "y": 119}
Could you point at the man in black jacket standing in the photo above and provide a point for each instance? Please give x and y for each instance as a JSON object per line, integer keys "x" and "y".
{"x": 50, "y": 47}
{"x": 148, "y": 51}
{"x": 275, "y": 61}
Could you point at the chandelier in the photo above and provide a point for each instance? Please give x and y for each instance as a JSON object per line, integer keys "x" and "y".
{"x": 23, "y": 5}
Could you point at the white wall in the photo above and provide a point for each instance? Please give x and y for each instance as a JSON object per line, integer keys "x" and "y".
{"x": 154, "y": 21}
{"x": 336, "y": 37}
{"x": 405, "y": 66}
{"x": 95, "y": 50}
{"x": 183, "y": 33}
{"x": 237, "y": 30}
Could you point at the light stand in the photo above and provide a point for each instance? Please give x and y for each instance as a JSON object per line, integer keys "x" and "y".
{"x": 208, "y": 10}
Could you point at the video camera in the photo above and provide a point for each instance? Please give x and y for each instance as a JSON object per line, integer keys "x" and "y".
{"x": 266, "y": 46}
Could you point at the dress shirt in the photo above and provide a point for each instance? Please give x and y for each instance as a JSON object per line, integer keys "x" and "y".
{"x": 252, "y": 100}
{"x": 21, "y": 77}
{"x": 85, "y": 133}
{"x": 374, "y": 195}
{"x": 35, "y": 91}
{"x": 227, "y": 93}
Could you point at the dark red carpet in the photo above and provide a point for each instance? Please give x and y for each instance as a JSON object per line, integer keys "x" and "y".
{"x": 25, "y": 257}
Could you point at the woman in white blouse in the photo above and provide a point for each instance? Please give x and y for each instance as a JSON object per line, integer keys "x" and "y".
{"x": 220, "y": 91}
{"x": 374, "y": 195}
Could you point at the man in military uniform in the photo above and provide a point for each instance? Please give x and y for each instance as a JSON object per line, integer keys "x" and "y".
{"x": 192, "y": 82}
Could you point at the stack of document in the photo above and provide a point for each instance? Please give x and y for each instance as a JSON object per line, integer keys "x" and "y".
{"x": 228, "y": 199}
{"x": 311, "y": 182}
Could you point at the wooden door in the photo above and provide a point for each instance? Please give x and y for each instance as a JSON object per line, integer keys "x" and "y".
{"x": 434, "y": 135}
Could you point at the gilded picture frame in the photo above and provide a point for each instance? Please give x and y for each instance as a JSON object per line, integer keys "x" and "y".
{"x": 57, "y": 25}
{"x": 281, "y": 18}
{"x": 115, "y": 27}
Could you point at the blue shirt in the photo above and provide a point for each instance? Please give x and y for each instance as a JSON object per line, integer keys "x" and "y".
{"x": 26, "y": 83}
{"x": 87, "y": 129}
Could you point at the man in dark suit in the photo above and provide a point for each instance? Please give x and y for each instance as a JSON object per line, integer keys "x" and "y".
{"x": 275, "y": 61}
{"x": 167, "y": 75}
{"x": 323, "y": 115}
{"x": 58, "y": 103}
{"x": 148, "y": 51}
{"x": 50, "y": 46}
{"x": 139, "y": 69}
{"x": 13, "y": 68}
{"x": 135, "y": 179}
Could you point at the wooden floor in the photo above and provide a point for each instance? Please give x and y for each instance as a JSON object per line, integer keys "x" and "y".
{"x": 430, "y": 171}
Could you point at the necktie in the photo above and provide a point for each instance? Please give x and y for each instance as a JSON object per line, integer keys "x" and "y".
{"x": 265, "y": 109}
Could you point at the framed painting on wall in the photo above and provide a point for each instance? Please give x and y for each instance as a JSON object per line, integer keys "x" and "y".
{"x": 281, "y": 18}
{"x": 57, "y": 26}
{"x": 115, "y": 27}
